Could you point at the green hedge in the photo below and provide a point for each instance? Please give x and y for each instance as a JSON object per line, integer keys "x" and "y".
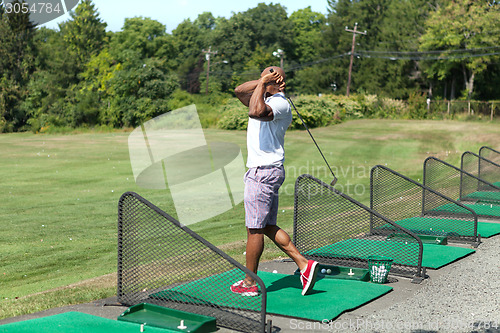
{"x": 324, "y": 110}
{"x": 317, "y": 111}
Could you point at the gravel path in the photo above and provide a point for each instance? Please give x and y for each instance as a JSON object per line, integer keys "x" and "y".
{"x": 466, "y": 298}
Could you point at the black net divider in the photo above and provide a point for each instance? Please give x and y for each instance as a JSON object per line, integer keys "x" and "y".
{"x": 482, "y": 168}
{"x": 490, "y": 154}
{"x": 458, "y": 184}
{"x": 162, "y": 262}
{"x": 333, "y": 228}
{"x": 418, "y": 208}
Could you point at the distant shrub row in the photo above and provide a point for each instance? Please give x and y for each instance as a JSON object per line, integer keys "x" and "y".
{"x": 318, "y": 111}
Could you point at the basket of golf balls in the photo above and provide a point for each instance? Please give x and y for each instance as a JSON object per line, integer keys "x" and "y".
{"x": 379, "y": 268}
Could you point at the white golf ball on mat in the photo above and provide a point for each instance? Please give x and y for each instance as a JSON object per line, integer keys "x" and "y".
{"x": 323, "y": 271}
{"x": 328, "y": 271}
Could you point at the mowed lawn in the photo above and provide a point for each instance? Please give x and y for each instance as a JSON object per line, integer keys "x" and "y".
{"x": 59, "y": 195}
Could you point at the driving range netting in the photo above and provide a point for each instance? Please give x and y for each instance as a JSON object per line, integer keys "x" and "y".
{"x": 417, "y": 208}
{"x": 157, "y": 256}
{"x": 457, "y": 185}
{"x": 492, "y": 155}
{"x": 333, "y": 228}
{"x": 486, "y": 170}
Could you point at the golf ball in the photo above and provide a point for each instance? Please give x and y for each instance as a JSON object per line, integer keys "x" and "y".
{"x": 328, "y": 271}
{"x": 275, "y": 271}
{"x": 323, "y": 271}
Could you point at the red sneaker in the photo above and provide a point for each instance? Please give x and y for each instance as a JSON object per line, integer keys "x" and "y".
{"x": 240, "y": 288}
{"x": 308, "y": 278}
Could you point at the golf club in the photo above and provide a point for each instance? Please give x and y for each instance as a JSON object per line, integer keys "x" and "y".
{"x": 334, "y": 181}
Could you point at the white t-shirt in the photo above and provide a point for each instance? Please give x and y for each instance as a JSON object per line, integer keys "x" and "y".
{"x": 266, "y": 139}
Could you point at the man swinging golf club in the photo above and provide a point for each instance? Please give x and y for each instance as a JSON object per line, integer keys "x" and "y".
{"x": 269, "y": 117}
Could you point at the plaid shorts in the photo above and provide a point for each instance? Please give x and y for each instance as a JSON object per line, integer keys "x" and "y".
{"x": 261, "y": 195}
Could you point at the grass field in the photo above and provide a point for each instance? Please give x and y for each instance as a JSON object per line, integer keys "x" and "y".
{"x": 59, "y": 197}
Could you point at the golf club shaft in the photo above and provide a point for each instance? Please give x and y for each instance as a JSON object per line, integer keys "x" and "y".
{"x": 304, "y": 123}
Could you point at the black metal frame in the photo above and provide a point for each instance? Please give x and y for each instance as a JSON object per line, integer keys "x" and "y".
{"x": 454, "y": 182}
{"x": 324, "y": 216}
{"x": 480, "y": 167}
{"x": 398, "y": 197}
{"x": 157, "y": 255}
{"x": 490, "y": 154}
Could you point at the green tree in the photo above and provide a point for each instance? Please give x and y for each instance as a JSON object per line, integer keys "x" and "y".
{"x": 138, "y": 91}
{"x": 266, "y": 27}
{"x": 55, "y": 88}
{"x": 94, "y": 94}
{"x": 369, "y": 15}
{"x": 188, "y": 41}
{"x": 308, "y": 27}
{"x": 467, "y": 25}
{"x": 398, "y": 74}
{"x": 85, "y": 33}
{"x": 52, "y": 86}
{"x": 17, "y": 63}
{"x": 144, "y": 36}
{"x": 308, "y": 47}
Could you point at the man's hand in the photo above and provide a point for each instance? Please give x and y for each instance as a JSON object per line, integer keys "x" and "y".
{"x": 274, "y": 78}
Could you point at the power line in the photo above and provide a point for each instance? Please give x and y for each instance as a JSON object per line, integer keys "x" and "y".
{"x": 288, "y": 68}
{"x": 433, "y": 51}
{"x": 398, "y": 55}
{"x": 450, "y": 57}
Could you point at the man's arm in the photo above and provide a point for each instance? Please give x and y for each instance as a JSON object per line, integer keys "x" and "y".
{"x": 258, "y": 109}
{"x": 244, "y": 91}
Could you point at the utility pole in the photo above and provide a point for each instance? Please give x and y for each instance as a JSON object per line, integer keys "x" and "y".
{"x": 280, "y": 54}
{"x": 207, "y": 57}
{"x": 354, "y": 32}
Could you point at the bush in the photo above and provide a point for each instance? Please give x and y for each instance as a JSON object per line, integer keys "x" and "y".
{"x": 180, "y": 98}
{"x": 389, "y": 108}
{"x": 234, "y": 116}
{"x": 317, "y": 111}
{"x": 417, "y": 106}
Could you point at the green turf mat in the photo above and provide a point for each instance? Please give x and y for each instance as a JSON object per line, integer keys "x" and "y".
{"x": 434, "y": 256}
{"x": 75, "y": 322}
{"x": 485, "y": 197}
{"x": 480, "y": 209}
{"x": 427, "y": 225}
{"x": 193, "y": 293}
{"x": 486, "y": 229}
{"x": 496, "y": 184}
{"x": 329, "y": 299}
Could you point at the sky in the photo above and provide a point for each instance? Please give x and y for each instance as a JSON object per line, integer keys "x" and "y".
{"x": 173, "y": 12}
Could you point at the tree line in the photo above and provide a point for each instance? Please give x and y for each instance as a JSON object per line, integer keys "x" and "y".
{"x": 82, "y": 75}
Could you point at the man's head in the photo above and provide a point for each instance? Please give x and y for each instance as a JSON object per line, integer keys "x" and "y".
{"x": 276, "y": 69}
{"x": 277, "y": 86}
